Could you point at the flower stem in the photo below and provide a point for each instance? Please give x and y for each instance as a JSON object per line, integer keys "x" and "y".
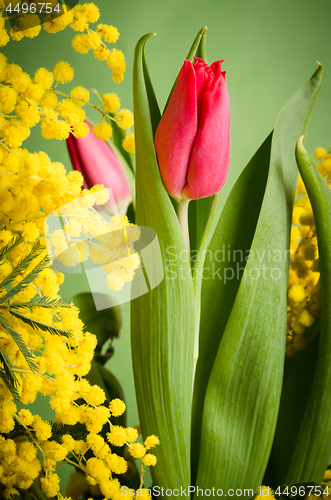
{"x": 36, "y": 490}
{"x": 182, "y": 214}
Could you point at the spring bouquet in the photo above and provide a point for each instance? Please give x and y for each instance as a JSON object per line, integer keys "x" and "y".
{"x": 230, "y": 309}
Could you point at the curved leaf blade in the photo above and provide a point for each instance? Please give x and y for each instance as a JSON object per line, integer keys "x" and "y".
{"x": 297, "y": 385}
{"x": 243, "y": 393}
{"x": 313, "y": 446}
{"x": 161, "y": 335}
{"x": 221, "y": 275}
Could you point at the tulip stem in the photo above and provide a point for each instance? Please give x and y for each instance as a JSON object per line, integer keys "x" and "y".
{"x": 182, "y": 214}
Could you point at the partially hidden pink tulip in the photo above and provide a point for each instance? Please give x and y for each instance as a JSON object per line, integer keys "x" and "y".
{"x": 98, "y": 164}
{"x": 192, "y": 141}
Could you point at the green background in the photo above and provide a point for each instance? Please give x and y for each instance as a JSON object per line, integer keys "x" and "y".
{"x": 270, "y": 49}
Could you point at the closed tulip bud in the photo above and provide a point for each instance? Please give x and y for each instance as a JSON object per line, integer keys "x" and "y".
{"x": 98, "y": 164}
{"x": 192, "y": 141}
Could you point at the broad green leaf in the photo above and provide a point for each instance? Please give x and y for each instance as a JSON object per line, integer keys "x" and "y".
{"x": 199, "y": 211}
{"x": 152, "y": 101}
{"x": 199, "y": 46}
{"x": 222, "y": 273}
{"x": 313, "y": 445}
{"x": 162, "y": 321}
{"x": 201, "y": 49}
{"x": 243, "y": 393}
{"x": 297, "y": 384}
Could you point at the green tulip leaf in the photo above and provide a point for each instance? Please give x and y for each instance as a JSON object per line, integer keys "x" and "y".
{"x": 244, "y": 388}
{"x": 152, "y": 101}
{"x": 235, "y": 230}
{"x": 311, "y": 453}
{"x": 162, "y": 321}
{"x": 198, "y": 49}
{"x": 297, "y": 384}
{"x": 201, "y": 50}
{"x": 199, "y": 211}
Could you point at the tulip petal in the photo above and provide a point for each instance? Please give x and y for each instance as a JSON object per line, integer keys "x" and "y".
{"x": 74, "y": 158}
{"x": 98, "y": 164}
{"x": 210, "y": 156}
{"x": 202, "y": 76}
{"x": 116, "y": 140}
{"x": 176, "y": 132}
{"x": 198, "y": 48}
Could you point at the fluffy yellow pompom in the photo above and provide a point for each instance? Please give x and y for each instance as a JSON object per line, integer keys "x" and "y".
{"x": 129, "y": 144}
{"x": 102, "y": 131}
{"x": 63, "y": 72}
{"x": 117, "y": 407}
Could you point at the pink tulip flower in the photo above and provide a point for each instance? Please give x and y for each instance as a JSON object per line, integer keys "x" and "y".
{"x": 98, "y": 164}
{"x": 192, "y": 141}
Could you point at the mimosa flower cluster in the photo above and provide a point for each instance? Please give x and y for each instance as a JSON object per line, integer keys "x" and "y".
{"x": 44, "y": 348}
{"x": 304, "y": 293}
{"x": 86, "y": 235}
{"x": 26, "y": 101}
{"x": 79, "y": 19}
